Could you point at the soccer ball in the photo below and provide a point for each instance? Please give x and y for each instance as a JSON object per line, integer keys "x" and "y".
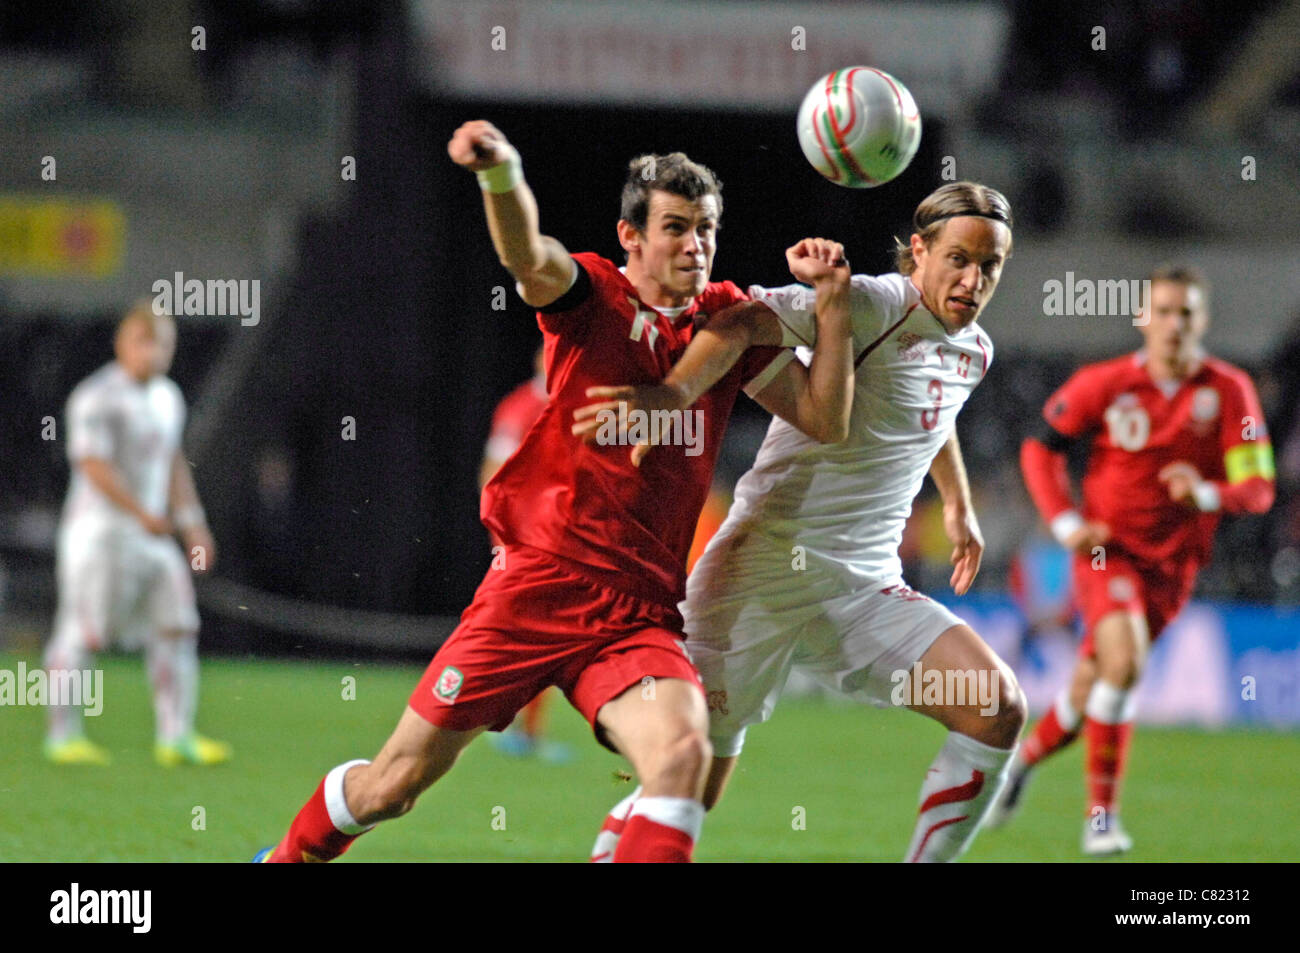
{"x": 859, "y": 127}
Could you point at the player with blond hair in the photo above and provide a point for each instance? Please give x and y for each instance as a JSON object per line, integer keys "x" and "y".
{"x": 121, "y": 575}
{"x": 805, "y": 571}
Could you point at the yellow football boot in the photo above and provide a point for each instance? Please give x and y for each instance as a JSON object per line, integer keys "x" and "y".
{"x": 192, "y": 749}
{"x": 76, "y": 750}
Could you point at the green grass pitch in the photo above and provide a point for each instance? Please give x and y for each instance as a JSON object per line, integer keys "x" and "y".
{"x": 851, "y": 772}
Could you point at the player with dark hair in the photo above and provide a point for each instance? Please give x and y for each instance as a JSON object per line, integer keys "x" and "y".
{"x": 1176, "y": 438}
{"x": 595, "y": 548}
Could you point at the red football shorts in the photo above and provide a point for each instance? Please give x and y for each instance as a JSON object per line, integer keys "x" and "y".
{"x": 538, "y": 622}
{"x": 1123, "y": 584}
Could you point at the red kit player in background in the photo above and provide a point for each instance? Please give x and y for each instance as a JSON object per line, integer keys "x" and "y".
{"x": 594, "y": 565}
{"x": 513, "y": 418}
{"x": 1177, "y": 438}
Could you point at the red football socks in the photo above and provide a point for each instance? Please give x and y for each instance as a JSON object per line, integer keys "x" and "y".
{"x": 324, "y": 828}
{"x": 660, "y": 830}
{"x": 1054, "y": 731}
{"x": 1107, "y": 754}
{"x": 1108, "y": 727}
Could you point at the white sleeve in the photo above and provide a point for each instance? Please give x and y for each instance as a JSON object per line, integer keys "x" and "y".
{"x": 871, "y": 299}
{"x": 795, "y": 307}
{"x": 90, "y": 431}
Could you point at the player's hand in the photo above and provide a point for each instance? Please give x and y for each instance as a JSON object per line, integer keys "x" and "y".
{"x": 814, "y": 260}
{"x": 199, "y": 541}
{"x": 156, "y": 525}
{"x": 479, "y": 145}
{"x": 1088, "y": 537}
{"x": 1182, "y": 480}
{"x": 963, "y": 530}
{"x": 592, "y": 422}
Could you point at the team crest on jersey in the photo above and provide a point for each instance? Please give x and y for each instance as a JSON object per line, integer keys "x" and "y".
{"x": 449, "y": 683}
{"x": 911, "y": 347}
{"x": 1205, "y": 404}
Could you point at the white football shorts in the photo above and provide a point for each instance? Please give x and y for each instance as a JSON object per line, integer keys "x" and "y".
{"x": 750, "y": 616}
{"x": 119, "y": 586}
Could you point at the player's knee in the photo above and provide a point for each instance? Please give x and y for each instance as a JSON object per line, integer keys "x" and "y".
{"x": 1121, "y": 670}
{"x": 683, "y": 762}
{"x": 1004, "y": 715}
{"x": 1013, "y": 709}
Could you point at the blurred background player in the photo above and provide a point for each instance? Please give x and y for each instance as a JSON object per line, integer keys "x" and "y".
{"x": 1175, "y": 439}
{"x": 844, "y": 614}
{"x": 121, "y": 575}
{"x": 511, "y": 420}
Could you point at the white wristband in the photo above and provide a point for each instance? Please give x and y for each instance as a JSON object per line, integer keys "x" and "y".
{"x": 503, "y": 176}
{"x": 188, "y": 517}
{"x": 1206, "y": 497}
{"x": 1064, "y": 525}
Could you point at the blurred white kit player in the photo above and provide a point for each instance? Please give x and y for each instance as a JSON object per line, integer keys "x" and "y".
{"x": 122, "y": 578}
{"x": 805, "y": 571}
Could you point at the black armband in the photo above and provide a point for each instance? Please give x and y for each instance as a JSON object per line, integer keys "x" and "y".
{"x": 1049, "y": 436}
{"x": 578, "y": 292}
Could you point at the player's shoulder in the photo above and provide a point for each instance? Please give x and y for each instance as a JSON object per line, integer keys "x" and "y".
{"x": 170, "y": 388}
{"x": 1225, "y": 372}
{"x": 99, "y": 385}
{"x": 595, "y": 264}
{"x": 893, "y": 291}
{"x": 720, "y": 294}
{"x": 521, "y": 400}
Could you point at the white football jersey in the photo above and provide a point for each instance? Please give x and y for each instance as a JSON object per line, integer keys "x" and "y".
{"x": 846, "y": 504}
{"x": 135, "y": 427}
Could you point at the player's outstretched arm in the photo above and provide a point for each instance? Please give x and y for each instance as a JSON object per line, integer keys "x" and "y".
{"x": 105, "y": 478}
{"x": 540, "y": 264}
{"x": 816, "y": 399}
{"x": 187, "y": 513}
{"x": 948, "y": 470}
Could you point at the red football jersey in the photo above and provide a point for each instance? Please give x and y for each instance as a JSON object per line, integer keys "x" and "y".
{"x": 632, "y": 527}
{"x": 516, "y": 412}
{"x": 1212, "y": 420}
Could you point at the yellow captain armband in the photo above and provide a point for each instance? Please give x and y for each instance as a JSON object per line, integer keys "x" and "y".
{"x": 1251, "y": 459}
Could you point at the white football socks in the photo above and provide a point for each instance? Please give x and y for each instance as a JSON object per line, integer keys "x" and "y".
{"x": 960, "y": 787}
{"x": 173, "y": 664}
{"x": 65, "y": 655}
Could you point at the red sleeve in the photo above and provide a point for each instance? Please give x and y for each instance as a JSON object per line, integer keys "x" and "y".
{"x": 1076, "y": 408}
{"x": 1072, "y": 412}
{"x": 567, "y": 314}
{"x": 1247, "y": 450}
{"x": 1046, "y": 478}
{"x": 755, "y": 359}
